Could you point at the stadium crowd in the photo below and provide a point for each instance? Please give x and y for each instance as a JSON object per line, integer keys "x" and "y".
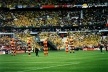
{"x": 53, "y": 18}
{"x": 38, "y": 3}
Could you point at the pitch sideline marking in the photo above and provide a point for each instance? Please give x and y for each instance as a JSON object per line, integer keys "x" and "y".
{"x": 38, "y": 62}
{"x": 49, "y": 67}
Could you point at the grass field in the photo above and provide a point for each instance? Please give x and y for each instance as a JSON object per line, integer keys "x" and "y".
{"x": 56, "y": 61}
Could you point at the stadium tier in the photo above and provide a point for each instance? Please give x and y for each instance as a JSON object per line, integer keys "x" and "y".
{"x": 50, "y": 3}
{"x": 49, "y": 18}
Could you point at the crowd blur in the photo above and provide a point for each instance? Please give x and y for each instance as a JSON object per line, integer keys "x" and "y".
{"x": 50, "y": 18}
{"x": 38, "y": 3}
{"x": 86, "y": 39}
{"x": 53, "y": 37}
{"x": 90, "y": 1}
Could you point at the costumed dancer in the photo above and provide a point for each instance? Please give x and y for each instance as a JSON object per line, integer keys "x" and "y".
{"x": 13, "y": 49}
{"x": 66, "y": 46}
{"x": 45, "y": 47}
{"x": 71, "y": 45}
{"x": 29, "y": 46}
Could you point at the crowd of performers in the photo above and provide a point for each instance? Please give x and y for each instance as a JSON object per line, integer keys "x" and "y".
{"x": 69, "y": 46}
{"x": 13, "y": 47}
{"x": 45, "y": 49}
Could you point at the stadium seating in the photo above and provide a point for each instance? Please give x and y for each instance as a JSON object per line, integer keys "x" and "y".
{"x": 53, "y": 37}
{"x": 83, "y": 39}
{"x": 53, "y": 18}
{"x": 39, "y": 3}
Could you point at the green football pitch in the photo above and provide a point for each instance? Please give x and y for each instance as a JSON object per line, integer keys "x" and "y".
{"x": 56, "y": 61}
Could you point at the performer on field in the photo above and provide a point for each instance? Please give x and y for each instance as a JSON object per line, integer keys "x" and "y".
{"x": 13, "y": 49}
{"x": 45, "y": 47}
{"x": 71, "y": 46}
{"x": 29, "y": 50}
{"x": 66, "y": 45}
{"x": 29, "y": 46}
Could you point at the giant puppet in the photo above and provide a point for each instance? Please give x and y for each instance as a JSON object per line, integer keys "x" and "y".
{"x": 45, "y": 43}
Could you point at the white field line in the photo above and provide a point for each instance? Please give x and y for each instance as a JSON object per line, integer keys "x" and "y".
{"x": 34, "y": 69}
{"x": 38, "y": 62}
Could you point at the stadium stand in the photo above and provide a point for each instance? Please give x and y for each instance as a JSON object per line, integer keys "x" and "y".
{"x": 41, "y": 3}
{"x": 53, "y": 18}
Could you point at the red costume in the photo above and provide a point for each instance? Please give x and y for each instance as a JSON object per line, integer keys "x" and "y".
{"x": 45, "y": 47}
